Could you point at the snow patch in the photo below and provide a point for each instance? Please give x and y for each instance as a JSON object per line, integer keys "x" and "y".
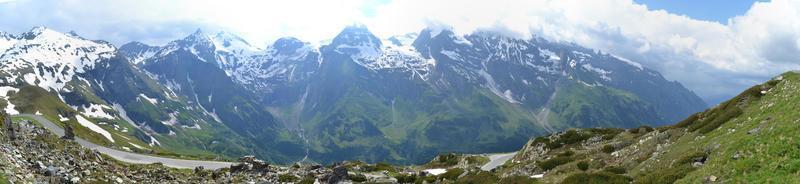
{"x": 635, "y": 64}
{"x": 435, "y": 172}
{"x": 97, "y": 111}
{"x": 452, "y": 55}
{"x": 88, "y": 124}
{"x": 4, "y": 95}
{"x": 151, "y": 100}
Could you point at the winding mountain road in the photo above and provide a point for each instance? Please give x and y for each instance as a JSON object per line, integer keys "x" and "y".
{"x": 496, "y": 160}
{"x": 127, "y": 156}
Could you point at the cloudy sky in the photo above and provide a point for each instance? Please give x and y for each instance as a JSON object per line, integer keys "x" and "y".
{"x": 714, "y": 47}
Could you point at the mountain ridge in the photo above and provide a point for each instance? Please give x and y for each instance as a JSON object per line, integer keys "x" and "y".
{"x": 366, "y": 98}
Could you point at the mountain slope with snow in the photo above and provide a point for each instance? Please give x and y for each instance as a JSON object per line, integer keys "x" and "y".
{"x": 431, "y": 92}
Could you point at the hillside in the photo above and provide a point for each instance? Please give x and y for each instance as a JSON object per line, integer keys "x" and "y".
{"x": 748, "y": 139}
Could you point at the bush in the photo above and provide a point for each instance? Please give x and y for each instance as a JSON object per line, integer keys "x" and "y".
{"x": 287, "y": 178}
{"x": 553, "y": 162}
{"x": 449, "y": 159}
{"x": 569, "y": 137}
{"x": 596, "y": 178}
{"x": 358, "y": 178}
{"x": 406, "y": 178}
{"x": 608, "y": 148}
{"x": 583, "y": 165}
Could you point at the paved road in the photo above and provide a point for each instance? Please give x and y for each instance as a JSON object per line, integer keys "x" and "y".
{"x": 497, "y": 160}
{"x": 127, "y": 156}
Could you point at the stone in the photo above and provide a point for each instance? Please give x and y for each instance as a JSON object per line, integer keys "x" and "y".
{"x": 736, "y": 155}
{"x": 339, "y": 175}
{"x": 697, "y": 164}
{"x": 68, "y": 134}
{"x": 51, "y": 171}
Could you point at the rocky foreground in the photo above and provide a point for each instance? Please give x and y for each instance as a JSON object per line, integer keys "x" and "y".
{"x": 31, "y": 154}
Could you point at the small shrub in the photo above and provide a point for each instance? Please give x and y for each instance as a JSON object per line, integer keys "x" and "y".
{"x": 406, "y": 178}
{"x": 287, "y": 178}
{"x": 554, "y": 162}
{"x": 608, "y": 148}
{"x": 569, "y": 137}
{"x": 596, "y": 178}
{"x": 583, "y": 165}
{"x": 358, "y": 178}
{"x": 449, "y": 159}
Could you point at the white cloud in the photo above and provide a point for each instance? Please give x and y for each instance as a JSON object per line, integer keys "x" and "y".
{"x": 715, "y": 60}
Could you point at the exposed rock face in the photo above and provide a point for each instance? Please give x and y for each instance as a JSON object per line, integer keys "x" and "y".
{"x": 68, "y": 134}
{"x": 339, "y": 175}
{"x": 9, "y": 128}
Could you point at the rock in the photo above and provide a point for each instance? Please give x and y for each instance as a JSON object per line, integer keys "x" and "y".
{"x": 75, "y": 180}
{"x": 198, "y": 169}
{"x": 711, "y": 178}
{"x": 754, "y": 130}
{"x": 68, "y": 134}
{"x": 697, "y": 164}
{"x": 736, "y": 155}
{"x": 339, "y": 175}
{"x": 51, "y": 171}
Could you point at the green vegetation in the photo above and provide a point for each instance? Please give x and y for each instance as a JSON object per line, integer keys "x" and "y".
{"x": 480, "y": 177}
{"x": 3, "y": 179}
{"x": 287, "y": 178}
{"x": 554, "y": 162}
{"x": 583, "y": 165}
{"x": 358, "y": 177}
{"x": 615, "y": 170}
{"x": 596, "y": 178}
{"x": 381, "y": 166}
{"x": 518, "y": 180}
{"x": 608, "y": 148}
{"x": 452, "y": 174}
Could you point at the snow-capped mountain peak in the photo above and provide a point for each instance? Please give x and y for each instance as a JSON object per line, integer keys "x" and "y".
{"x": 228, "y": 42}
{"x": 53, "y": 56}
{"x": 358, "y": 42}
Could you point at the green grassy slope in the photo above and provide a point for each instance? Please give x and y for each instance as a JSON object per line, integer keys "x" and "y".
{"x": 751, "y": 138}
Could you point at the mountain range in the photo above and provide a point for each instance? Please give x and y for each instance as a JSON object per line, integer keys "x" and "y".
{"x": 402, "y": 99}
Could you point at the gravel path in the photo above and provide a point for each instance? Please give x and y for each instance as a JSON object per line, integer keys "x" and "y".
{"x": 127, "y": 156}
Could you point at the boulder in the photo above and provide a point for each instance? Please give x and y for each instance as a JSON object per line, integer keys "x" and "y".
{"x": 338, "y": 175}
{"x": 68, "y": 134}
